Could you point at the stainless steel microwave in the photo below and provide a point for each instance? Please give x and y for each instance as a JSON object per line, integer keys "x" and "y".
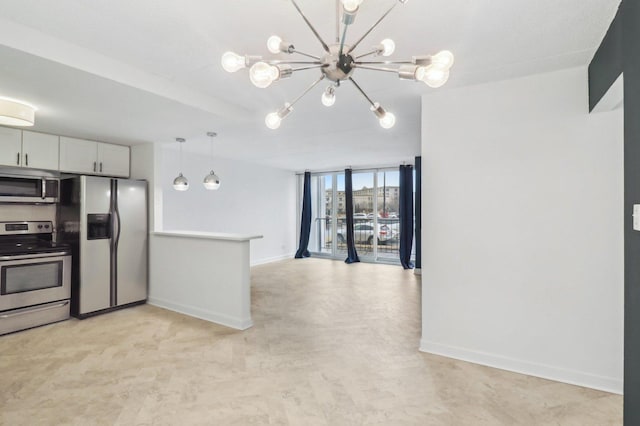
{"x": 29, "y": 189}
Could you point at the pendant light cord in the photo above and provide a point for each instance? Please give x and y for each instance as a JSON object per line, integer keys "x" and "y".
{"x": 180, "y": 141}
{"x": 211, "y": 136}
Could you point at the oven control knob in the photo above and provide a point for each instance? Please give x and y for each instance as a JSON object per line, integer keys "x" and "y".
{"x": 39, "y": 226}
{"x": 46, "y": 226}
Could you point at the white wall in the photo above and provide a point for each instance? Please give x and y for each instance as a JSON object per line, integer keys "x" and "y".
{"x": 252, "y": 199}
{"x": 144, "y": 158}
{"x": 522, "y": 229}
{"x": 214, "y": 278}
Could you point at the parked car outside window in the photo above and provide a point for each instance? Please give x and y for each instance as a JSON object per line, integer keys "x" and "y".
{"x": 363, "y": 233}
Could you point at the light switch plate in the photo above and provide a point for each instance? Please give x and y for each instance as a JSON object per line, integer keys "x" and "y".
{"x": 636, "y": 217}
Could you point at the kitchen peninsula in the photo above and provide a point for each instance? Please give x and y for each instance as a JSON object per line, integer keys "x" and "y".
{"x": 202, "y": 274}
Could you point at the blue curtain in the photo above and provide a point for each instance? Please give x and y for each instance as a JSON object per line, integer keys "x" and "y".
{"x": 352, "y": 254}
{"x": 406, "y": 215}
{"x": 305, "y": 226}
{"x": 419, "y": 212}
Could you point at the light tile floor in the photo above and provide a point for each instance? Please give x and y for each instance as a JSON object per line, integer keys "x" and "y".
{"x": 333, "y": 344}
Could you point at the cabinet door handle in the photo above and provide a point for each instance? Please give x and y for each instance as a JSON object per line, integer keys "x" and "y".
{"x": 94, "y": 166}
{"x": 26, "y": 159}
{"x": 18, "y": 159}
{"x": 101, "y": 167}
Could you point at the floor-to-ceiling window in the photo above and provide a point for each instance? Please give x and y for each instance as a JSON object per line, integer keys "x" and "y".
{"x": 375, "y": 207}
{"x": 388, "y": 208}
{"x": 322, "y": 204}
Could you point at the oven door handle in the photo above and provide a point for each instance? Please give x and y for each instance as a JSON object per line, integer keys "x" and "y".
{"x": 31, "y": 311}
{"x": 35, "y": 255}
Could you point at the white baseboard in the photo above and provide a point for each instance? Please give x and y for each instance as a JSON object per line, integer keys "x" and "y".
{"x": 417, "y": 271}
{"x": 192, "y": 311}
{"x": 272, "y": 259}
{"x": 607, "y": 384}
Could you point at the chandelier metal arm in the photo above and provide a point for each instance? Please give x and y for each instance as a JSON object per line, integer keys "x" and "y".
{"x": 362, "y": 91}
{"x": 338, "y": 9}
{"x": 310, "y": 67}
{"x": 383, "y": 62}
{"x": 373, "y": 52}
{"x": 365, "y": 67}
{"x": 324, "y": 45}
{"x": 278, "y": 62}
{"x": 371, "y": 29}
{"x": 314, "y": 84}
{"x": 307, "y": 55}
{"x": 344, "y": 36}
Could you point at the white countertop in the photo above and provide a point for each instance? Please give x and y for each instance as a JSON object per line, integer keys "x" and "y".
{"x": 207, "y": 235}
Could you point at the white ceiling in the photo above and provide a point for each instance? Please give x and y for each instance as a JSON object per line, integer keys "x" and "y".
{"x": 149, "y": 70}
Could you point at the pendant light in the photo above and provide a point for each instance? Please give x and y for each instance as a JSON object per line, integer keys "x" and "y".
{"x": 211, "y": 181}
{"x": 180, "y": 183}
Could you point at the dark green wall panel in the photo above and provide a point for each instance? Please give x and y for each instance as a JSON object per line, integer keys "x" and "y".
{"x": 620, "y": 52}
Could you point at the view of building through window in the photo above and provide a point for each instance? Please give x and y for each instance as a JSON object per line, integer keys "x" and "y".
{"x": 376, "y": 197}
{"x": 388, "y": 194}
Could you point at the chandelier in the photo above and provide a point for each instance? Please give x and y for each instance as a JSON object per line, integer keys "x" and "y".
{"x": 338, "y": 63}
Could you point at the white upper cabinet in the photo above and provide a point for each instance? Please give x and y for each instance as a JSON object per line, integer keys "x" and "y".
{"x": 10, "y": 146}
{"x": 39, "y": 150}
{"x": 22, "y": 148}
{"x": 78, "y": 156}
{"x": 28, "y": 149}
{"x": 93, "y": 158}
{"x": 113, "y": 160}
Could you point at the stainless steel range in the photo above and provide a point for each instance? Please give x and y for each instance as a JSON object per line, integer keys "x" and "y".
{"x": 35, "y": 276}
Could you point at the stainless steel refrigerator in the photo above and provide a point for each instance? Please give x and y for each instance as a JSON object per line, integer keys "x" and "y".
{"x": 105, "y": 221}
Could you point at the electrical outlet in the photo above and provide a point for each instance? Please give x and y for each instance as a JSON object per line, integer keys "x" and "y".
{"x": 636, "y": 217}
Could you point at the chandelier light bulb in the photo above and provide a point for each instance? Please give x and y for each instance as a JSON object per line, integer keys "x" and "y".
{"x": 435, "y": 76}
{"x": 443, "y": 58}
{"x": 420, "y": 73}
{"x": 180, "y": 183}
{"x": 273, "y": 44}
{"x": 388, "y": 47}
{"x": 273, "y": 120}
{"x": 262, "y": 74}
{"x": 232, "y": 62}
{"x": 388, "y": 120}
{"x": 329, "y": 96}
{"x": 351, "y": 5}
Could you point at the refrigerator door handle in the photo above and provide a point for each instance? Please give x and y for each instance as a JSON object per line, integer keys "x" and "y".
{"x": 116, "y": 241}
{"x": 113, "y": 246}
{"x": 118, "y": 219}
